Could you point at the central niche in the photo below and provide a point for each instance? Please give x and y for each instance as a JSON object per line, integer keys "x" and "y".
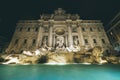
{"x": 59, "y": 31}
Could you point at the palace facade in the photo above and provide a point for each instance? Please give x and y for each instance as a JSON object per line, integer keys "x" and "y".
{"x": 113, "y": 32}
{"x": 58, "y": 30}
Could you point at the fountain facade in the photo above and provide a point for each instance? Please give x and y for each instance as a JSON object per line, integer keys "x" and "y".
{"x": 58, "y": 31}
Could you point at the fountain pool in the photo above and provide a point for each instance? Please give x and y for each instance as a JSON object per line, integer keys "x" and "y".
{"x": 60, "y": 72}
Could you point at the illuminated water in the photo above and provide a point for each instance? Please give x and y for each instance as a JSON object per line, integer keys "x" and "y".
{"x": 60, "y": 72}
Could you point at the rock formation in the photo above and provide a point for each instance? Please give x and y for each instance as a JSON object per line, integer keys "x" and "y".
{"x": 93, "y": 55}
{"x": 60, "y": 58}
{"x": 90, "y": 56}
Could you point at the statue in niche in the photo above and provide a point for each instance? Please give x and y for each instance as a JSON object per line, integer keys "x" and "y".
{"x": 76, "y": 42}
{"x": 44, "y": 44}
{"x": 60, "y": 42}
{"x": 76, "y": 46}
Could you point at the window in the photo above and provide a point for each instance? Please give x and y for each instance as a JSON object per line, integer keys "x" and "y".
{"x": 86, "y": 41}
{"x": 103, "y": 41}
{"x": 28, "y": 29}
{"x": 111, "y": 33}
{"x": 16, "y": 41}
{"x": 45, "y": 30}
{"x": 74, "y": 30}
{"x": 36, "y": 29}
{"x": 98, "y": 29}
{"x": 34, "y": 41}
{"x": 20, "y": 29}
{"x": 94, "y": 41}
{"x": 25, "y": 41}
{"x": 83, "y": 29}
{"x": 91, "y": 29}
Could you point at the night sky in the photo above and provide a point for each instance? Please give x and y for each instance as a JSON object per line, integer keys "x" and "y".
{"x": 11, "y": 11}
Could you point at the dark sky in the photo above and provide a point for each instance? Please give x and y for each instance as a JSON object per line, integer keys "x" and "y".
{"x": 13, "y": 10}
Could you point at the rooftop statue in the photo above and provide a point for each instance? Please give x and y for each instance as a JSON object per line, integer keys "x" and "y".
{"x": 60, "y": 11}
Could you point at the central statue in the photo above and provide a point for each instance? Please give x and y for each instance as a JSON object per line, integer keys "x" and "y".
{"x": 60, "y": 42}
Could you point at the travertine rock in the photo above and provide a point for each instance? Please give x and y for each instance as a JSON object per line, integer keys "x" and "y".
{"x": 60, "y": 58}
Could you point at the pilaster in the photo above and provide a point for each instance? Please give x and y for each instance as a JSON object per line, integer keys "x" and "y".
{"x": 80, "y": 36}
{"x": 50, "y": 36}
{"x": 70, "y": 39}
{"x": 39, "y": 37}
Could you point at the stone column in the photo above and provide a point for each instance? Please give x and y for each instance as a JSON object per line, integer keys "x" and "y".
{"x": 54, "y": 41}
{"x": 90, "y": 40}
{"x": 50, "y": 37}
{"x": 39, "y": 37}
{"x": 66, "y": 40}
{"x": 11, "y": 46}
{"x": 80, "y": 36}
{"x": 70, "y": 39}
{"x": 19, "y": 44}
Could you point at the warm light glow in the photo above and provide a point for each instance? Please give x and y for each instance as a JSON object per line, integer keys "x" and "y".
{"x": 60, "y": 31}
{"x": 12, "y": 60}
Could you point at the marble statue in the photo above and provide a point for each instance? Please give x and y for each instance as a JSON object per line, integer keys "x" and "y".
{"x": 60, "y": 42}
{"x": 44, "y": 44}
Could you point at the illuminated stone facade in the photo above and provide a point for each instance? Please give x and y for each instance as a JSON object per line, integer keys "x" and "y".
{"x": 58, "y": 30}
{"x": 114, "y": 32}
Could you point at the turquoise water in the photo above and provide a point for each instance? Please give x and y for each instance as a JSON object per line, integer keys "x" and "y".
{"x": 60, "y": 72}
